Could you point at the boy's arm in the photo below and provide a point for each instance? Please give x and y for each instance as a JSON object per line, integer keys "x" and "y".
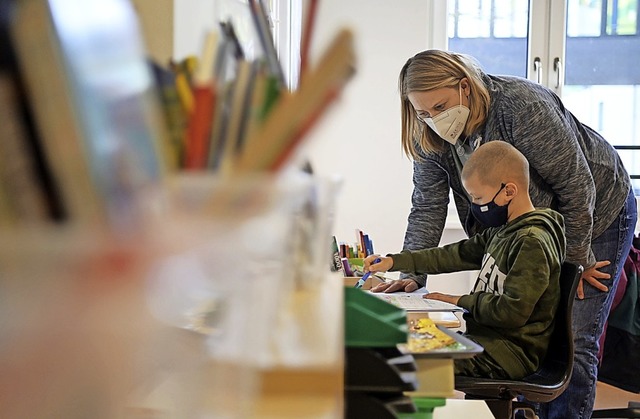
{"x": 461, "y": 256}
{"x": 525, "y": 282}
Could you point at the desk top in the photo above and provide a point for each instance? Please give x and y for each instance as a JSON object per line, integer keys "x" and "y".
{"x": 447, "y": 319}
{"x": 460, "y": 408}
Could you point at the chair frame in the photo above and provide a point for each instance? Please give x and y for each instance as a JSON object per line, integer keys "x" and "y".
{"x": 554, "y": 374}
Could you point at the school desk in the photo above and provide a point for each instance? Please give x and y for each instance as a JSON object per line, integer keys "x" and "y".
{"x": 448, "y": 319}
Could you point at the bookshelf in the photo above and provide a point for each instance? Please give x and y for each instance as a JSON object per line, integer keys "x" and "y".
{"x": 136, "y": 284}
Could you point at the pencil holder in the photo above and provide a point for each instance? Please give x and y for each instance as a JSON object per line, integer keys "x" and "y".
{"x": 301, "y": 373}
{"x": 76, "y": 333}
{"x": 306, "y": 332}
{"x": 227, "y": 249}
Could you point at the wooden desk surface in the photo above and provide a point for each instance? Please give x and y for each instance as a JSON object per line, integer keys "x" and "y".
{"x": 447, "y": 319}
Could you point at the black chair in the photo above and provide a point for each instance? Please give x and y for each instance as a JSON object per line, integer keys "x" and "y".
{"x": 553, "y": 376}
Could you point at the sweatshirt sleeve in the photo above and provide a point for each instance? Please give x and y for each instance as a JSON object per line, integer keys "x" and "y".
{"x": 524, "y": 284}
{"x": 461, "y": 256}
{"x": 549, "y": 142}
{"x": 428, "y": 214}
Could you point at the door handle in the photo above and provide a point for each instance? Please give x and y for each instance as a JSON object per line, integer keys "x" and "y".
{"x": 557, "y": 67}
{"x": 537, "y": 68}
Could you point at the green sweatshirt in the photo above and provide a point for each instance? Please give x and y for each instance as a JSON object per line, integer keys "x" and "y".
{"x": 513, "y": 303}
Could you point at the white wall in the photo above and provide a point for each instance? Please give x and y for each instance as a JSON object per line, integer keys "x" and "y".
{"x": 360, "y": 138}
{"x": 192, "y": 18}
{"x": 156, "y": 20}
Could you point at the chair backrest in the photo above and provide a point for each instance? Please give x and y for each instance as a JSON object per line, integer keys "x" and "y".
{"x": 554, "y": 373}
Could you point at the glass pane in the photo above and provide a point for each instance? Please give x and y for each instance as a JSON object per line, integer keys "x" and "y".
{"x": 621, "y": 17}
{"x": 492, "y": 31}
{"x": 584, "y": 18}
{"x": 472, "y": 19}
{"x": 602, "y": 81}
{"x": 511, "y": 19}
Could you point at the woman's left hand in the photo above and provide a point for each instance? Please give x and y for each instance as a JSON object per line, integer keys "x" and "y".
{"x": 452, "y": 299}
{"x": 592, "y": 275}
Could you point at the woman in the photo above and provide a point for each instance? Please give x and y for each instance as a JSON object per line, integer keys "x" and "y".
{"x": 450, "y": 107}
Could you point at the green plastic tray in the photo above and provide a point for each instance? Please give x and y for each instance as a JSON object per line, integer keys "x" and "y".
{"x": 371, "y": 322}
{"x": 425, "y": 407}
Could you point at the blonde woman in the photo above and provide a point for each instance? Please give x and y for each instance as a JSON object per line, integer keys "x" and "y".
{"x": 450, "y": 107}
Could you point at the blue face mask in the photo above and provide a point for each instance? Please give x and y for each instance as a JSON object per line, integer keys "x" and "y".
{"x": 491, "y": 214}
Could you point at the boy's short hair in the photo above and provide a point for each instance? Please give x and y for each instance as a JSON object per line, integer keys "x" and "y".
{"x": 497, "y": 162}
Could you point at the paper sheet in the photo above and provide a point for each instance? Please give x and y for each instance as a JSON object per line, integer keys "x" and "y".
{"x": 415, "y": 302}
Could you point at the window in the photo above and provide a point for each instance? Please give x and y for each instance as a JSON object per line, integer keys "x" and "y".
{"x": 589, "y": 59}
{"x": 285, "y": 20}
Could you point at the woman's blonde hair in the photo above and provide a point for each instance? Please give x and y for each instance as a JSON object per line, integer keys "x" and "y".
{"x": 435, "y": 69}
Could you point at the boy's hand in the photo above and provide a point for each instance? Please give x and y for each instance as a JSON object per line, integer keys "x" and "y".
{"x": 384, "y": 265}
{"x": 406, "y": 285}
{"x": 452, "y": 299}
{"x": 592, "y": 275}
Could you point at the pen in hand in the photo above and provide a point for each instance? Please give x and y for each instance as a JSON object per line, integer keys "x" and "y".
{"x": 366, "y": 276}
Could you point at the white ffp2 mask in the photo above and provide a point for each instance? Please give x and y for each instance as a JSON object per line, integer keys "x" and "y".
{"x": 449, "y": 124}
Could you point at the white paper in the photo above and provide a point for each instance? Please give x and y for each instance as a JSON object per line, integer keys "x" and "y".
{"x": 415, "y": 302}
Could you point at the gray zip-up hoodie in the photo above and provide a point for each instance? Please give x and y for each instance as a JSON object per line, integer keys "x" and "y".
{"x": 513, "y": 303}
{"x": 573, "y": 169}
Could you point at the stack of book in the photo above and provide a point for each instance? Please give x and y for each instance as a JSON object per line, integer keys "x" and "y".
{"x": 238, "y": 116}
{"x": 80, "y": 125}
{"x": 87, "y": 131}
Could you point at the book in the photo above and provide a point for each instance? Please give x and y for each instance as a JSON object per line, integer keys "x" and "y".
{"x": 225, "y": 71}
{"x": 415, "y": 302}
{"x": 237, "y": 116}
{"x": 258, "y": 102}
{"x": 174, "y": 115}
{"x": 97, "y": 110}
{"x": 183, "y": 87}
{"x": 22, "y": 198}
{"x": 220, "y": 122}
{"x": 27, "y": 193}
{"x": 49, "y": 93}
{"x": 199, "y": 129}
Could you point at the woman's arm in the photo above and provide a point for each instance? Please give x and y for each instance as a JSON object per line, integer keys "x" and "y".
{"x": 550, "y": 143}
{"x": 429, "y": 200}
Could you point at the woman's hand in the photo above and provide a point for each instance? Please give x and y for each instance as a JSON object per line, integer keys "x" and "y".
{"x": 386, "y": 263}
{"x": 451, "y": 299}
{"x": 406, "y": 285}
{"x": 592, "y": 275}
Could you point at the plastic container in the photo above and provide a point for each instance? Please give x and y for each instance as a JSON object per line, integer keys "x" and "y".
{"x": 371, "y": 322}
{"x": 424, "y": 407}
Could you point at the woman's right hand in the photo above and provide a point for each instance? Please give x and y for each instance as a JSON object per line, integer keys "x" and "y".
{"x": 593, "y": 277}
{"x": 386, "y": 263}
{"x": 406, "y": 285}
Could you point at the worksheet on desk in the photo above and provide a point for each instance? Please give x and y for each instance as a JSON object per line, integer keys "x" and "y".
{"x": 415, "y": 302}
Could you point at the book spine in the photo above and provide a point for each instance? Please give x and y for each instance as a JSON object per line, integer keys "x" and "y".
{"x": 199, "y": 130}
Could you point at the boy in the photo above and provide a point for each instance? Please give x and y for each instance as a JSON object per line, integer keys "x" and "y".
{"x": 513, "y": 303}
